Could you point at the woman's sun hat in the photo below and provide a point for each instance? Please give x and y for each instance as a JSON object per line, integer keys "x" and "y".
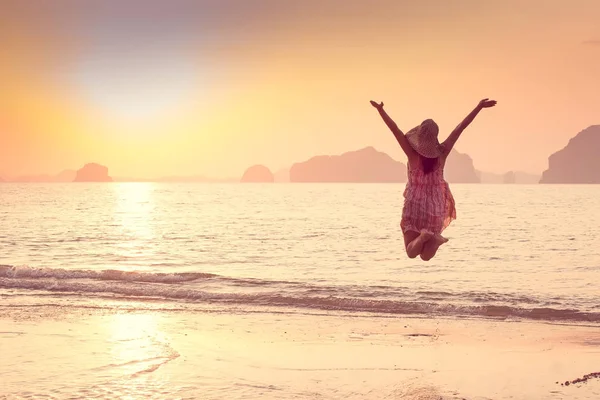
{"x": 424, "y": 139}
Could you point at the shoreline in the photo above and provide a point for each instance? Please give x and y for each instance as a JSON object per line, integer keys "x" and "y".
{"x": 214, "y": 355}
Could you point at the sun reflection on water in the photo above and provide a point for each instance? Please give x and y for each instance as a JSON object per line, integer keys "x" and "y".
{"x": 134, "y": 210}
{"x": 137, "y": 343}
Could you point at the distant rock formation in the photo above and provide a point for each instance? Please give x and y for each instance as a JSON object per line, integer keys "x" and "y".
{"x": 42, "y": 178}
{"x": 488, "y": 177}
{"x": 520, "y": 177}
{"x": 578, "y": 162}
{"x": 459, "y": 169}
{"x": 258, "y": 174}
{"x": 67, "y": 175}
{"x": 64, "y": 176}
{"x": 509, "y": 177}
{"x": 93, "y": 173}
{"x": 370, "y": 165}
{"x": 365, "y": 165}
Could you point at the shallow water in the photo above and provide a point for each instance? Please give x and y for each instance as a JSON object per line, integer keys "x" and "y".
{"x": 515, "y": 251}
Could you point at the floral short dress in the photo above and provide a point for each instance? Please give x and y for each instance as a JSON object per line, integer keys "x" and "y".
{"x": 428, "y": 202}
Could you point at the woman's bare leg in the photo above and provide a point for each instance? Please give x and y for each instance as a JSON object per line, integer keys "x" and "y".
{"x": 414, "y": 242}
{"x": 409, "y": 237}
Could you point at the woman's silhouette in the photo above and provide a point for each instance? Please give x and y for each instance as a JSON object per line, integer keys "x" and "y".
{"x": 428, "y": 203}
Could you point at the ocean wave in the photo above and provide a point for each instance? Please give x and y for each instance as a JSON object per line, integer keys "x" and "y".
{"x": 25, "y": 272}
{"x": 187, "y": 287}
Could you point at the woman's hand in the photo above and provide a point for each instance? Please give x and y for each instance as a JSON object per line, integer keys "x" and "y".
{"x": 486, "y": 103}
{"x": 378, "y": 106}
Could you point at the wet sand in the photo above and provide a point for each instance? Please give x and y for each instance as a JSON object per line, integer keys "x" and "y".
{"x": 73, "y": 353}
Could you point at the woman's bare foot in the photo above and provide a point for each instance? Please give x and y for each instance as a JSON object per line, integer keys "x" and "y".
{"x": 439, "y": 239}
{"x": 415, "y": 247}
{"x": 431, "y": 247}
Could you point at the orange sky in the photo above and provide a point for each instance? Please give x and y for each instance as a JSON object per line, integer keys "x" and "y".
{"x": 153, "y": 88}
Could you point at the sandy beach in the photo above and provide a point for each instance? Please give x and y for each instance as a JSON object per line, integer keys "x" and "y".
{"x": 52, "y": 352}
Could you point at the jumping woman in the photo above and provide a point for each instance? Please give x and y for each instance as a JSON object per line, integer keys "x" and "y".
{"x": 428, "y": 203}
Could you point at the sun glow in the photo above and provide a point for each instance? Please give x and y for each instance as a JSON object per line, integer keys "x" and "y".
{"x": 138, "y": 92}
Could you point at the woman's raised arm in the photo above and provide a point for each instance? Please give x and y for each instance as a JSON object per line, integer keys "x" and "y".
{"x": 453, "y": 137}
{"x": 408, "y": 150}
